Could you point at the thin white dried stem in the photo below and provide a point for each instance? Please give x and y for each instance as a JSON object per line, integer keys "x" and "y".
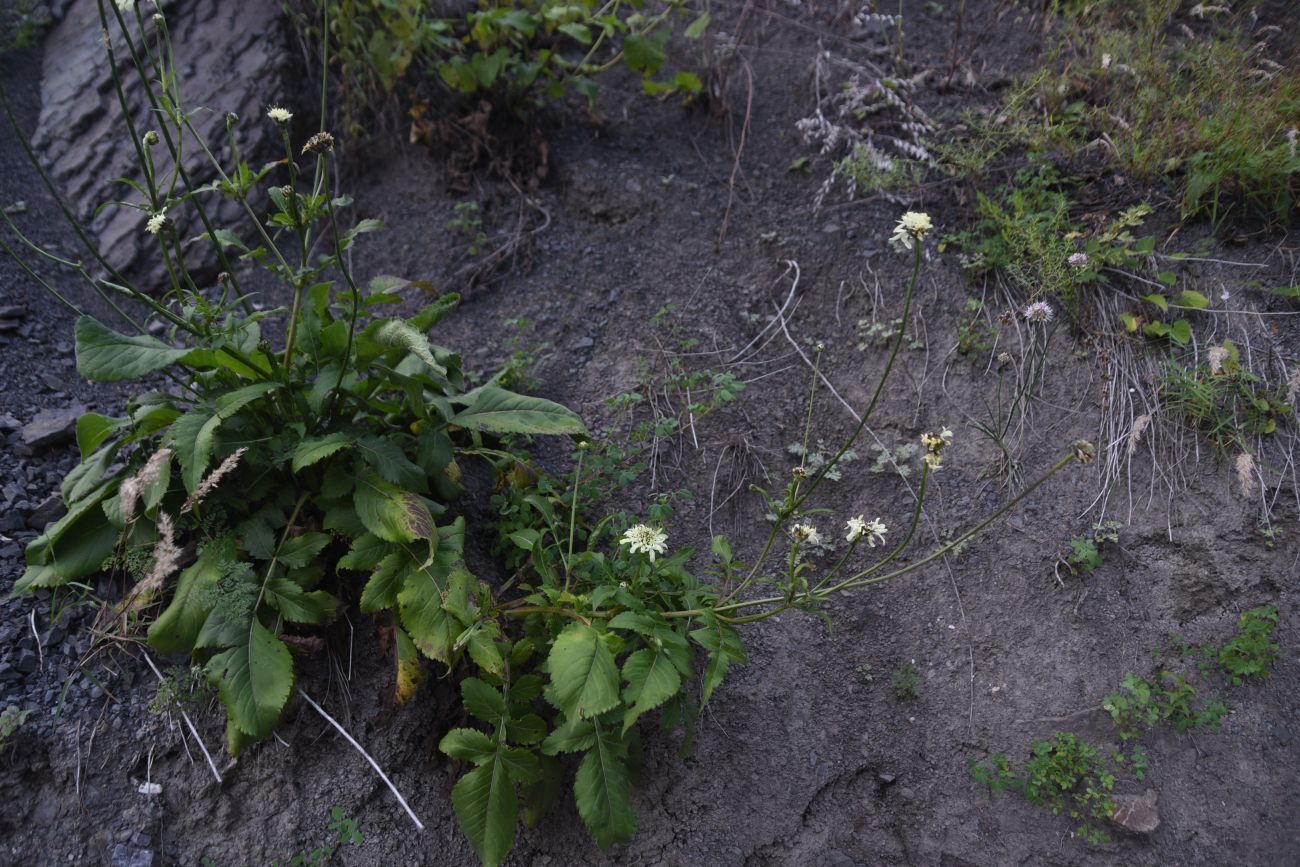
{"x": 194, "y": 732}
{"x": 373, "y": 764}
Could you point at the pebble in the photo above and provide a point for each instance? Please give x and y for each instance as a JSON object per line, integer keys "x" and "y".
{"x": 51, "y": 427}
{"x": 1137, "y": 813}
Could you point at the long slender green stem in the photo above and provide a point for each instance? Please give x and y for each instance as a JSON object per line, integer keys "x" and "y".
{"x": 573, "y": 519}
{"x": 793, "y": 504}
{"x": 174, "y": 146}
{"x": 39, "y": 280}
{"x": 860, "y": 579}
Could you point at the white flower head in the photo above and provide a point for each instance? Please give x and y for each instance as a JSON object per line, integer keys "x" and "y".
{"x": 872, "y": 531}
{"x": 279, "y": 115}
{"x": 644, "y": 539}
{"x": 935, "y": 445}
{"x": 157, "y": 222}
{"x": 1078, "y": 261}
{"x": 125, "y": 5}
{"x": 806, "y": 534}
{"x": 1040, "y": 312}
{"x": 913, "y": 225}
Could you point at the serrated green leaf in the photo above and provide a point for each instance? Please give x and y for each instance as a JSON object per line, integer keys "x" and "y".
{"x": 431, "y": 626}
{"x": 366, "y": 552}
{"x": 644, "y": 54}
{"x": 254, "y": 680}
{"x": 431, "y": 314}
{"x": 398, "y": 334}
{"x": 527, "y": 729}
{"x": 299, "y": 551}
{"x": 468, "y": 745}
{"x": 483, "y": 648}
{"x": 183, "y": 437}
{"x": 603, "y": 791}
{"x": 392, "y": 464}
{"x": 483, "y": 700}
{"x": 724, "y": 648}
{"x": 312, "y": 451}
{"x": 496, "y": 410}
{"x": 385, "y": 583}
{"x": 487, "y": 809}
{"x": 298, "y": 605}
{"x": 103, "y": 355}
{"x": 199, "y": 452}
{"x": 584, "y": 677}
{"x": 177, "y": 627}
{"x": 570, "y": 738}
{"x": 652, "y": 679}
{"x": 391, "y": 513}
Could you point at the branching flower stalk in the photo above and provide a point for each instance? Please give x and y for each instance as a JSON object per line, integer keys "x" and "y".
{"x": 794, "y": 498}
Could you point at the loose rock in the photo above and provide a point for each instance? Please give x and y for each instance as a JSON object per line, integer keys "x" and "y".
{"x": 1137, "y": 813}
{"x": 51, "y": 427}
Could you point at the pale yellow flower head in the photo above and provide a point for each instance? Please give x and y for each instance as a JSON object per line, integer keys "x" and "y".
{"x": 872, "y": 532}
{"x": 279, "y": 115}
{"x": 157, "y": 222}
{"x": 912, "y": 226}
{"x": 935, "y": 445}
{"x": 644, "y": 539}
{"x": 806, "y": 534}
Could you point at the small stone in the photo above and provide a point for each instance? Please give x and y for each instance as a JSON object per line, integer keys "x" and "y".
{"x": 1137, "y": 813}
{"x": 26, "y": 663}
{"x": 13, "y": 311}
{"x": 125, "y": 856}
{"x": 52, "y": 382}
{"x": 886, "y": 779}
{"x": 50, "y": 509}
{"x": 8, "y": 326}
{"x": 51, "y": 427}
{"x": 8, "y": 423}
{"x": 584, "y": 343}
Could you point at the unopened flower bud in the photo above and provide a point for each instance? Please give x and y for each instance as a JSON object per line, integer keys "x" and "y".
{"x": 150, "y": 138}
{"x": 231, "y": 119}
{"x": 320, "y": 143}
{"x": 1084, "y": 451}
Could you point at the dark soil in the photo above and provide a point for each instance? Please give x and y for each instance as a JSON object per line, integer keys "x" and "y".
{"x": 800, "y": 760}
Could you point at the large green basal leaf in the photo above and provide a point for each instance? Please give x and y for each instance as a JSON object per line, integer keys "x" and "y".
{"x": 496, "y": 410}
{"x": 254, "y": 679}
{"x": 391, "y": 513}
{"x": 103, "y": 355}
{"x": 177, "y": 628}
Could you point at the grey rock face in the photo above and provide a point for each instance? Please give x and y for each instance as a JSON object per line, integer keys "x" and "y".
{"x": 230, "y": 57}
